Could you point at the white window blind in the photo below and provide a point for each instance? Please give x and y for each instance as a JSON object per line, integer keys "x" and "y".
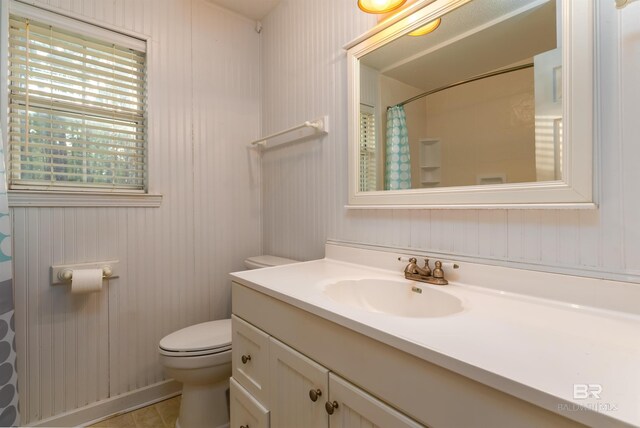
{"x": 367, "y": 151}
{"x": 76, "y": 111}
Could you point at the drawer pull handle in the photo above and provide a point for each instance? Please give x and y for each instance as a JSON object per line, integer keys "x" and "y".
{"x": 244, "y": 426}
{"x": 245, "y": 359}
{"x": 314, "y": 394}
{"x": 330, "y": 407}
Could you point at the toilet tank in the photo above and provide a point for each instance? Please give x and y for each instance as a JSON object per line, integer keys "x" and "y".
{"x": 257, "y": 262}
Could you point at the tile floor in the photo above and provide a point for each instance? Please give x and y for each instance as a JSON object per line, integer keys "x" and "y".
{"x": 159, "y": 415}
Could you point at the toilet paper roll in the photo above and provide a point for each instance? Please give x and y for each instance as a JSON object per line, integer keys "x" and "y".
{"x": 86, "y": 280}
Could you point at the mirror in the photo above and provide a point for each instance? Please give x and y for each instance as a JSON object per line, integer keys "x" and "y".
{"x": 482, "y": 110}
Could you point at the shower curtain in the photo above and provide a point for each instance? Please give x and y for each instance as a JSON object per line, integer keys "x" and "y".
{"x": 397, "y": 172}
{"x": 9, "y": 415}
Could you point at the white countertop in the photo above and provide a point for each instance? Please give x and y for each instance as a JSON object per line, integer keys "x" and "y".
{"x": 533, "y": 348}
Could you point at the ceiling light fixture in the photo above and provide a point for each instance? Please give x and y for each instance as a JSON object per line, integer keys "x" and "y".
{"x": 426, "y": 29}
{"x": 380, "y": 6}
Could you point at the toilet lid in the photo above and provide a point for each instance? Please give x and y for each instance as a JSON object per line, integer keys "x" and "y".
{"x": 267, "y": 261}
{"x": 205, "y": 338}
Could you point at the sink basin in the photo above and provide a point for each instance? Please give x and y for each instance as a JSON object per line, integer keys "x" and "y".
{"x": 394, "y": 297}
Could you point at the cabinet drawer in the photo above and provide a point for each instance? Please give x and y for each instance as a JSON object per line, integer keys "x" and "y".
{"x": 250, "y": 362}
{"x": 245, "y": 410}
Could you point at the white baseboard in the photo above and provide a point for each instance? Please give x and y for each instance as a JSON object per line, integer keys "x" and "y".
{"x": 122, "y": 403}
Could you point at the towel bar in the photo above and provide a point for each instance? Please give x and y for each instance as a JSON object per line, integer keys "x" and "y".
{"x": 319, "y": 126}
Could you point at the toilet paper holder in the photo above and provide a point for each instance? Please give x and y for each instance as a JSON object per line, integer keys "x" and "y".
{"x": 63, "y": 274}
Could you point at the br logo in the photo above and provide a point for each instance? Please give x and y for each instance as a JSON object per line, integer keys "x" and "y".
{"x": 583, "y": 391}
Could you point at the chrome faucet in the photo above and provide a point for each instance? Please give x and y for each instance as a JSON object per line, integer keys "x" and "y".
{"x": 424, "y": 274}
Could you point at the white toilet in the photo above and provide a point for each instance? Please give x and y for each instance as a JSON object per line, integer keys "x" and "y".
{"x": 199, "y": 356}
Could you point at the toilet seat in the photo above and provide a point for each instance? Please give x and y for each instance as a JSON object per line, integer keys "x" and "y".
{"x": 199, "y": 353}
{"x": 206, "y": 338}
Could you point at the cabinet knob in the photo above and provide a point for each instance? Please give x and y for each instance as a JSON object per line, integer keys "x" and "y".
{"x": 330, "y": 407}
{"x": 314, "y": 394}
{"x": 245, "y": 359}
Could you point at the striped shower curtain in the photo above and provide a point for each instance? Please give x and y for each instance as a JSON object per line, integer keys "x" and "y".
{"x": 397, "y": 172}
{"x": 9, "y": 415}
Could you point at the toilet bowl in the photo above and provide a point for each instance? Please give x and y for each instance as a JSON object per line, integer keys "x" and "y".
{"x": 199, "y": 356}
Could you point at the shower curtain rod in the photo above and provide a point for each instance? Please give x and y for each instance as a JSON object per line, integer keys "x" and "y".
{"x": 473, "y": 79}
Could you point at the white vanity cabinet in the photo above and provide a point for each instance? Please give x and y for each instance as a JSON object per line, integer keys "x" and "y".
{"x": 299, "y": 392}
{"x": 373, "y": 383}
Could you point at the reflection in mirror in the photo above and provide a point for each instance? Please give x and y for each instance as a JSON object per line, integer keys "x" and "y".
{"x": 476, "y": 101}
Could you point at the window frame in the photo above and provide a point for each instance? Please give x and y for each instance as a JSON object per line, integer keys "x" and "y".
{"x": 89, "y": 197}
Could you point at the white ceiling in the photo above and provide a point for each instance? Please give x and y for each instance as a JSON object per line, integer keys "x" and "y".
{"x": 254, "y": 9}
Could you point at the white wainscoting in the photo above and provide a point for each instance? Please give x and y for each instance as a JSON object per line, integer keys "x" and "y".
{"x": 204, "y": 108}
{"x": 305, "y": 188}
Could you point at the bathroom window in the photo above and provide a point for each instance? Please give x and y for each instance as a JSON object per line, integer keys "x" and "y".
{"x": 367, "y": 149}
{"x": 77, "y": 110}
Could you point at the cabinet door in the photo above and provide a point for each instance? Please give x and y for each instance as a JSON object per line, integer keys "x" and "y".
{"x": 356, "y": 408}
{"x": 298, "y": 389}
{"x": 245, "y": 410}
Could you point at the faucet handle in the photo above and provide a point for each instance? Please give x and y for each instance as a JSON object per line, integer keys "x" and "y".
{"x": 426, "y": 267}
{"x": 438, "y": 274}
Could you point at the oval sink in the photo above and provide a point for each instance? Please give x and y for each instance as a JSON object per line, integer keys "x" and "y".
{"x": 394, "y": 298}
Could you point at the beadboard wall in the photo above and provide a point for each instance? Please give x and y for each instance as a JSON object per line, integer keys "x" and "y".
{"x": 204, "y": 95}
{"x": 305, "y": 188}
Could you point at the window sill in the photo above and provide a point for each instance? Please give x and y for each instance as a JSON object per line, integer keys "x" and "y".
{"x": 35, "y": 198}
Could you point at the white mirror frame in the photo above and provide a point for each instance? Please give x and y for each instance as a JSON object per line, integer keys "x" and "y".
{"x": 575, "y": 190}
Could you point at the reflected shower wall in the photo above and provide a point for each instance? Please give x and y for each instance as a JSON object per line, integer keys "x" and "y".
{"x": 503, "y": 129}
